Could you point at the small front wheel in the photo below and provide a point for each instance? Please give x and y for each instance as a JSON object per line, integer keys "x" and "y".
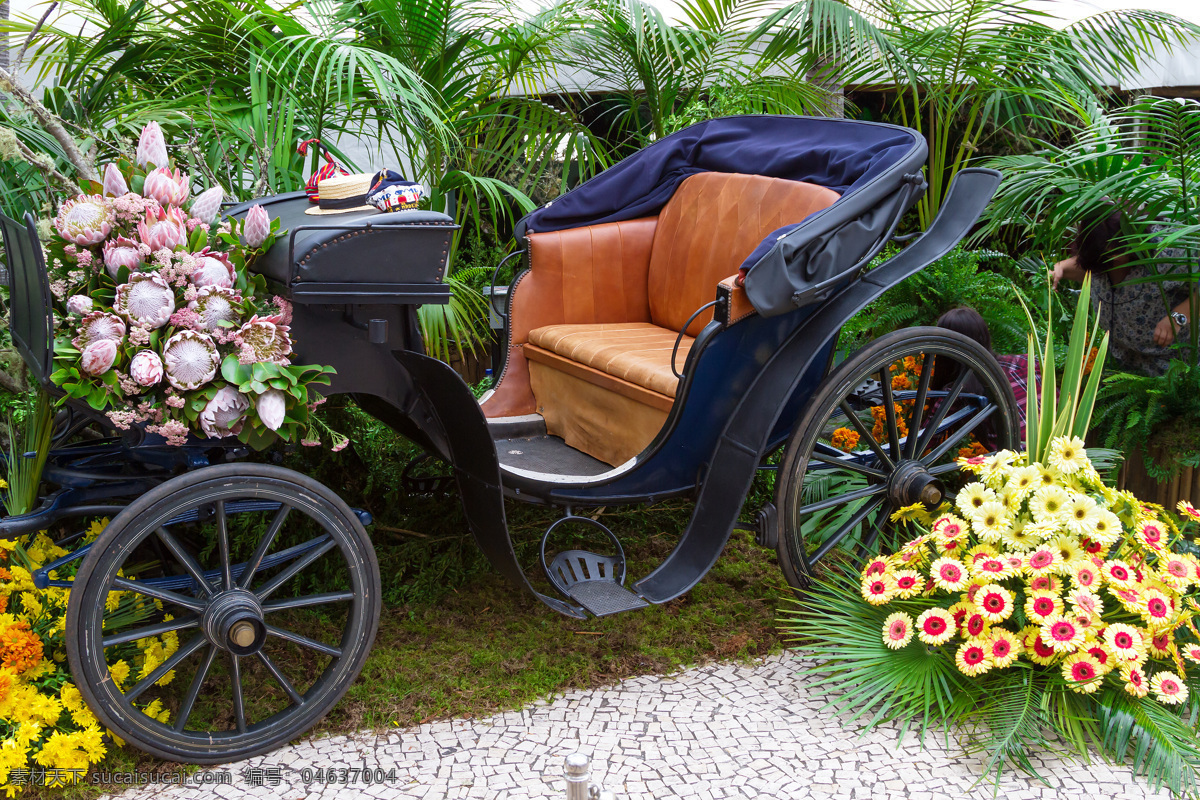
{"x": 883, "y": 432}
{"x": 223, "y": 613}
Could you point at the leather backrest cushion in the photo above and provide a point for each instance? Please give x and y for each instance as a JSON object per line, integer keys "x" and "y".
{"x": 711, "y": 224}
{"x": 593, "y": 274}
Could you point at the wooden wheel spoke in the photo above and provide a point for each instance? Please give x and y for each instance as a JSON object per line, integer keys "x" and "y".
{"x": 889, "y": 412}
{"x": 307, "y": 600}
{"x": 943, "y": 409}
{"x": 827, "y": 454}
{"x": 849, "y": 525}
{"x": 865, "y": 434}
{"x": 189, "y": 621}
{"x": 327, "y": 543}
{"x": 842, "y": 499}
{"x": 223, "y": 547}
{"x": 193, "y": 644}
{"x": 235, "y": 683}
{"x": 304, "y": 641}
{"x": 264, "y": 544}
{"x": 914, "y": 427}
{"x": 149, "y": 590}
{"x": 954, "y": 438}
{"x": 185, "y": 558}
{"x": 280, "y": 678}
{"x": 189, "y": 702}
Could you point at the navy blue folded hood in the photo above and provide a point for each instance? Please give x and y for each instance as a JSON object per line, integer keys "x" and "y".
{"x": 861, "y": 160}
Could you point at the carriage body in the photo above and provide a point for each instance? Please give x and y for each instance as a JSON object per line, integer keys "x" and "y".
{"x": 753, "y": 305}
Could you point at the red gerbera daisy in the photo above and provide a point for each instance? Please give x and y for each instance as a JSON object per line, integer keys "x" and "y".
{"x": 976, "y": 624}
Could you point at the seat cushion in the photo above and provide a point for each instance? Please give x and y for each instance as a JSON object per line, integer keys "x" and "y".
{"x": 711, "y": 225}
{"x": 637, "y": 352}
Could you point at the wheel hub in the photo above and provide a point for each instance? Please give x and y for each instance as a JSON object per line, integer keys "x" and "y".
{"x": 911, "y": 483}
{"x": 233, "y": 621}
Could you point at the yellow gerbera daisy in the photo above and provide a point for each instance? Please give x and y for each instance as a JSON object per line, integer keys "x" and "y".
{"x": 1063, "y": 633}
{"x": 972, "y": 496}
{"x": 1068, "y": 455}
{"x": 949, "y": 574}
{"x": 935, "y": 626}
{"x": 1080, "y": 514}
{"x": 879, "y": 589}
{"x": 1126, "y": 642}
{"x": 1168, "y": 688}
{"x": 973, "y": 659}
{"x": 1107, "y": 529}
{"x": 1023, "y": 481}
{"x": 1047, "y": 504}
{"x": 990, "y": 519}
{"x": 1004, "y": 646}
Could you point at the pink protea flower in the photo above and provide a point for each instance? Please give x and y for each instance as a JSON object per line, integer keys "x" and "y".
{"x": 214, "y": 270}
{"x": 214, "y": 305}
{"x": 85, "y": 221}
{"x": 163, "y": 231}
{"x": 225, "y": 413}
{"x": 263, "y": 339}
{"x": 146, "y": 368}
{"x": 169, "y": 188}
{"x": 114, "y": 182}
{"x": 190, "y": 360}
{"x": 98, "y": 357}
{"x": 271, "y": 406}
{"x": 258, "y": 227}
{"x": 121, "y": 252}
{"x": 145, "y": 300}
{"x": 79, "y": 304}
{"x": 152, "y": 148}
{"x": 97, "y": 326}
{"x": 207, "y": 204}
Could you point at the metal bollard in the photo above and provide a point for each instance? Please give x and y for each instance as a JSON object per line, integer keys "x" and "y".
{"x": 577, "y": 773}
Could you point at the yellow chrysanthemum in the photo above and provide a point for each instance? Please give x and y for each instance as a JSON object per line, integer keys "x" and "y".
{"x": 915, "y": 512}
{"x": 119, "y": 672}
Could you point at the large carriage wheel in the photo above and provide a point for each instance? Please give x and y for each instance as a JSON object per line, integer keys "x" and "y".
{"x": 268, "y": 584}
{"x": 865, "y": 447}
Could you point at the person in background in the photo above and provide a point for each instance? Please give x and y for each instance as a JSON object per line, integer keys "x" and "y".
{"x": 970, "y": 323}
{"x": 1143, "y": 319}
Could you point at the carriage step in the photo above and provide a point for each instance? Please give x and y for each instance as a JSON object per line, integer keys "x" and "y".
{"x": 604, "y": 597}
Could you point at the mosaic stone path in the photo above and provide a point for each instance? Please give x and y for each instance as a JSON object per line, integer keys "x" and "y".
{"x": 718, "y": 731}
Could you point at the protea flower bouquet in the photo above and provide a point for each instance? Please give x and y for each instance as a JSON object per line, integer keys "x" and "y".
{"x": 1041, "y": 607}
{"x": 161, "y": 323}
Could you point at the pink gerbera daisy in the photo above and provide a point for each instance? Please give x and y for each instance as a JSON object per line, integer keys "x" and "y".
{"x": 908, "y": 583}
{"x": 935, "y": 626}
{"x": 1044, "y": 583}
{"x": 897, "y": 630}
{"x": 1042, "y": 605}
{"x": 1135, "y": 681}
{"x": 974, "y": 625}
{"x": 1003, "y": 647}
{"x": 994, "y": 602}
{"x": 1168, "y": 688}
{"x": 1043, "y": 560}
{"x": 1082, "y": 672}
{"x": 1188, "y": 510}
{"x": 949, "y": 574}
{"x": 1062, "y": 633}
{"x": 1126, "y": 641}
{"x": 1192, "y": 651}
{"x": 972, "y": 659}
{"x": 1153, "y": 535}
{"x": 879, "y": 590}
{"x": 1118, "y": 573}
{"x": 876, "y": 566}
{"x": 1086, "y": 577}
{"x": 1156, "y": 608}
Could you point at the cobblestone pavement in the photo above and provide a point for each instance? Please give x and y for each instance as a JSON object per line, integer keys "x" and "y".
{"x": 719, "y": 731}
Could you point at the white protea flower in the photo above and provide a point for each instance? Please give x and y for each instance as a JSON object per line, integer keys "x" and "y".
{"x": 84, "y": 221}
{"x": 190, "y": 359}
{"x": 114, "y": 182}
{"x": 264, "y": 339}
{"x": 96, "y": 326}
{"x": 152, "y": 147}
{"x": 225, "y": 413}
{"x": 146, "y": 300}
{"x": 207, "y": 205}
{"x": 213, "y": 269}
{"x": 271, "y": 406}
{"x": 121, "y": 252}
{"x": 214, "y": 305}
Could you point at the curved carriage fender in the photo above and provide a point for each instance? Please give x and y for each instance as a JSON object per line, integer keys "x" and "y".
{"x": 741, "y": 445}
{"x": 446, "y": 411}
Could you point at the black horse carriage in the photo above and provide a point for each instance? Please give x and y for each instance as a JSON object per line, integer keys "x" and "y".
{"x": 675, "y": 327}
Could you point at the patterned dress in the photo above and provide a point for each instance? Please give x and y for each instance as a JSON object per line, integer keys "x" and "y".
{"x": 1130, "y": 312}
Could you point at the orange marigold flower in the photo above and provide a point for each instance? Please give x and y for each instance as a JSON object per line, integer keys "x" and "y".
{"x": 1091, "y": 361}
{"x": 20, "y": 648}
{"x": 901, "y": 382}
{"x": 845, "y": 439}
{"x": 972, "y": 450}
{"x": 5, "y": 575}
{"x": 3, "y": 603}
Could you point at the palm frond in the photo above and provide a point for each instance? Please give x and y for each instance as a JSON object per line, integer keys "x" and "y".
{"x": 1161, "y": 745}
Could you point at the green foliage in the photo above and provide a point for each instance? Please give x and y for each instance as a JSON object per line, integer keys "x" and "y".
{"x": 28, "y": 449}
{"x": 1157, "y": 415}
{"x": 982, "y": 279}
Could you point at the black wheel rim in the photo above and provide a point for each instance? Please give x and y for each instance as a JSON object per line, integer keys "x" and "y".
{"x": 860, "y": 461}
{"x": 237, "y": 605}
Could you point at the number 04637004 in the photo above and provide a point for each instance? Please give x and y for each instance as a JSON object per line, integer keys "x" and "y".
{"x": 348, "y": 775}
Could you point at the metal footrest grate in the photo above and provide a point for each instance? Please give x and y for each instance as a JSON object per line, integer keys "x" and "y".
{"x": 604, "y": 597}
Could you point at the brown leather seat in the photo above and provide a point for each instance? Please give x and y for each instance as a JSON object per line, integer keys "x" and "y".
{"x": 593, "y": 322}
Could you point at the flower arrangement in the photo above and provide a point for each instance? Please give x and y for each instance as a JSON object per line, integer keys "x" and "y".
{"x": 162, "y": 324}
{"x": 45, "y": 727}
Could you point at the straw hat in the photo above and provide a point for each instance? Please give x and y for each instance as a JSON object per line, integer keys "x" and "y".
{"x": 342, "y": 194}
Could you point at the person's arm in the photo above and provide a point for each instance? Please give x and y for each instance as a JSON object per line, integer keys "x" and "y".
{"x": 1067, "y": 268}
{"x": 1167, "y": 328}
